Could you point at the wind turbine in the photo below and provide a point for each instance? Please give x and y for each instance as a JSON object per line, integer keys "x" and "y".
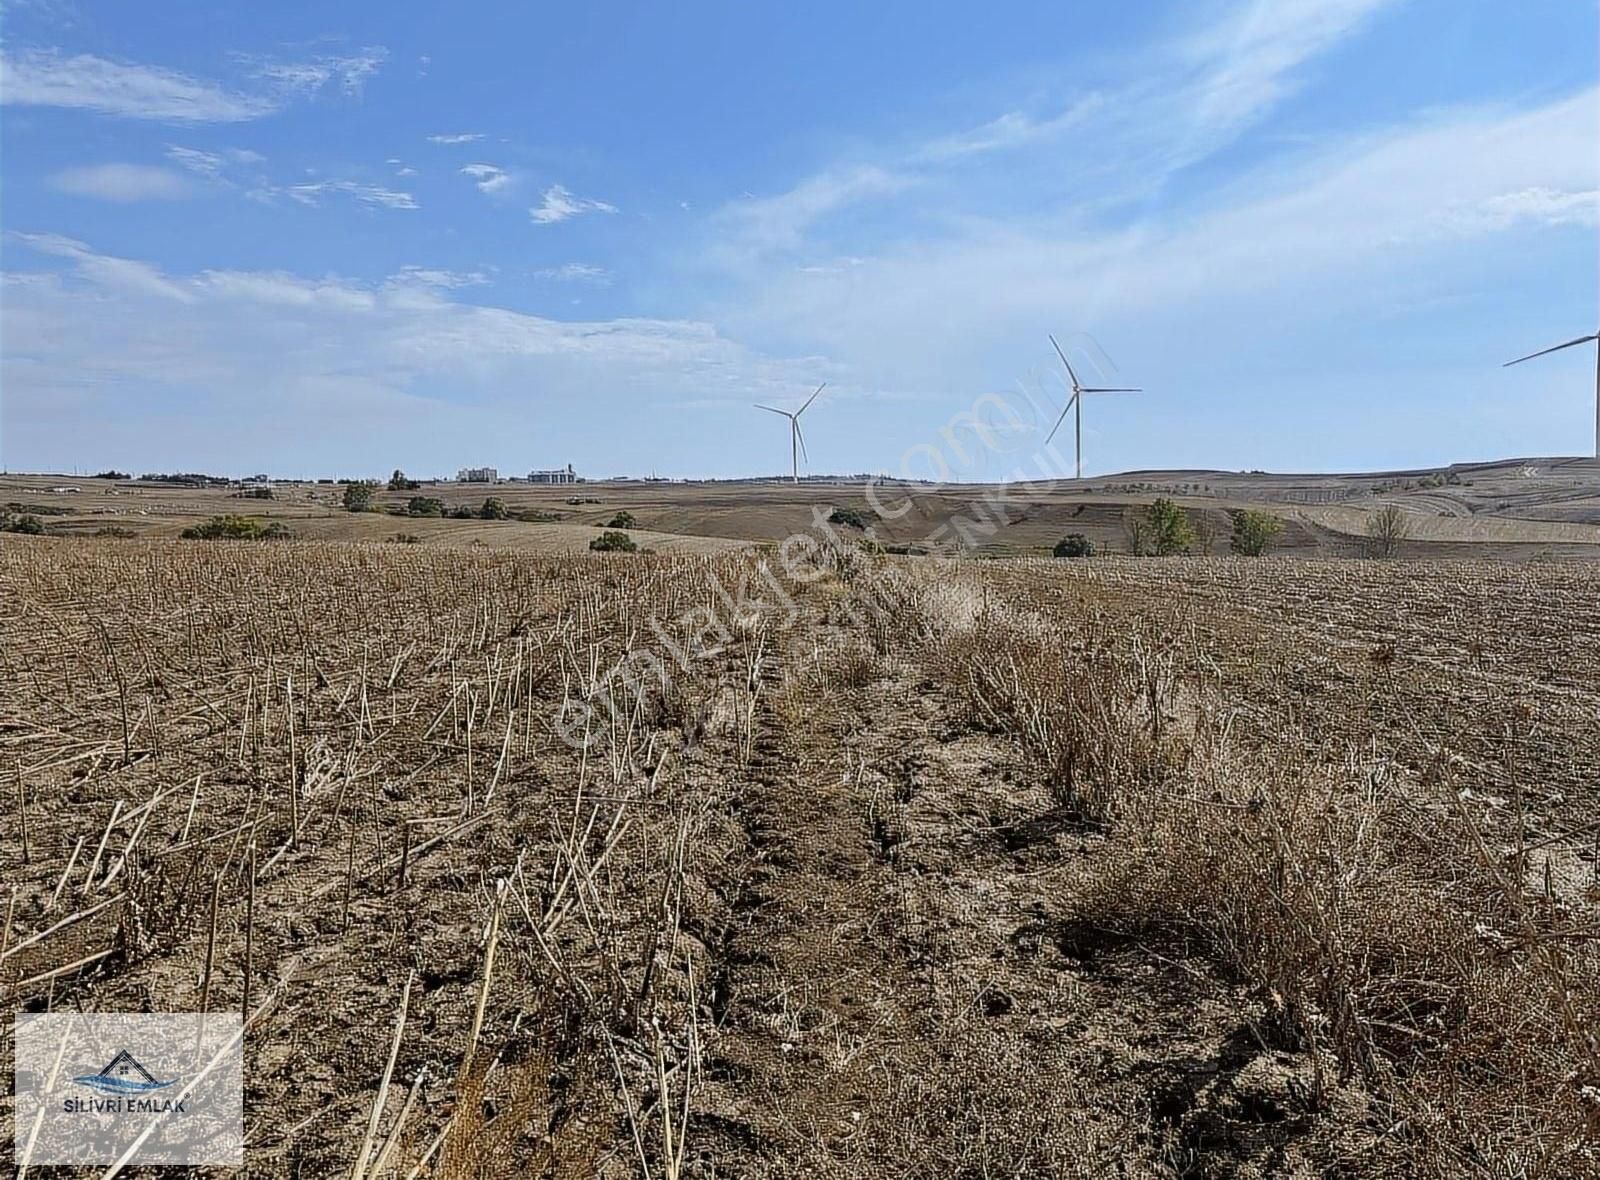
{"x": 797, "y": 441}
{"x": 1076, "y": 402}
{"x": 1569, "y": 344}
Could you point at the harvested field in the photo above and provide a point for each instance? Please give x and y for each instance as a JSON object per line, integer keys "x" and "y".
{"x": 877, "y": 868}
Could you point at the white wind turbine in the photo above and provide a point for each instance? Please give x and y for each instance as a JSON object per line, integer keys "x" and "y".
{"x": 797, "y": 441}
{"x": 1076, "y": 402}
{"x": 1569, "y": 344}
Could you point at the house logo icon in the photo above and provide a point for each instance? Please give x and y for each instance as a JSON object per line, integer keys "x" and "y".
{"x": 122, "y": 1075}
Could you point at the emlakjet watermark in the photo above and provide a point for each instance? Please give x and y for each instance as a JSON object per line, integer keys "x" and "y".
{"x": 116, "y": 1088}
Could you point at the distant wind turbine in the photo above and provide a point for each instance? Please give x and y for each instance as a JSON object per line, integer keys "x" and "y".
{"x": 797, "y": 441}
{"x": 1076, "y": 402}
{"x": 1570, "y": 344}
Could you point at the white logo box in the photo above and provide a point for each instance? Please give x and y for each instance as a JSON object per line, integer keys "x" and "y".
{"x": 129, "y": 1088}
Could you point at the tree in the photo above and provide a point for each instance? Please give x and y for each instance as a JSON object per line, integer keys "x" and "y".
{"x": 424, "y": 506}
{"x": 26, "y": 523}
{"x": 399, "y": 483}
{"x": 612, "y": 541}
{"x": 235, "y": 528}
{"x": 1074, "y": 545}
{"x": 494, "y": 508}
{"x": 622, "y": 520}
{"x": 1386, "y": 528}
{"x": 1170, "y": 531}
{"x": 358, "y": 495}
{"x": 1254, "y": 532}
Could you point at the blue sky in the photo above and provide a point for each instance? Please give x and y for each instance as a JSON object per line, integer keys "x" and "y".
{"x": 335, "y": 239}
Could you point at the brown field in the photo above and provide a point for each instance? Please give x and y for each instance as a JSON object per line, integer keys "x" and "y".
{"x": 910, "y": 868}
{"x": 1518, "y": 510}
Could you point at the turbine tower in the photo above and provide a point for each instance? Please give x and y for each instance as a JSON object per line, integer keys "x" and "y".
{"x": 1076, "y": 402}
{"x": 797, "y": 441}
{"x": 1569, "y": 344}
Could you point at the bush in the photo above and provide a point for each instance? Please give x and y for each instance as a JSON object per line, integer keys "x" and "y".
{"x": 612, "y": 541}
{"x": 26, "y": 523}
{"x": 494, "y": 508}
{"x": 399, "y": 483}
{"x": 358, "y": 495}
{"x": 424, "y": 506}
{"x": 235, "y": 528}
{"x": 849, "y": 517}
{"x": 622, "y": 520}
{"x": 1169, "y": 528}
{"x": 463, "y": 512}
{"x": 1254, "y": 532}
{"x": 1074, "y": 545}
{"x": 113, "y": 473}
{"x": 1388, "y": 527}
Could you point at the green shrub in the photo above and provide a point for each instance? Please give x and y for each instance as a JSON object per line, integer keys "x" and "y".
{"x": 612, "y": 541}
{"x": 494, "y": 508}
{"x": 463, "y": 512}
{"x": 849, "y": 517}
{"x": 399, "y": 483}
{"x": 1254, "y": 532}
{"x": 622, "y": 520}
{"x": 1169, "y": 528}
{"x": 424, "y": 506}
{"x": 1074, "y": 545}
{"x": 358, "y": 495}
{"x": 236, "y": 528}
{"x": 26, "y": 523}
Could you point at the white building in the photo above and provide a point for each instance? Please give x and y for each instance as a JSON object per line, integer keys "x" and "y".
{"x": 477, "y": 475}
{"x": 556, "y": 475}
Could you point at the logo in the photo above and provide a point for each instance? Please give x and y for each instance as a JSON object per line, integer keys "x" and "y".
{"x": 123, "y": 1075}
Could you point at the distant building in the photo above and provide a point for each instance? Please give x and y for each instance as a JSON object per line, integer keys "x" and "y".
{"x": 477, "y": 475}
{"x": 556, "y": 475}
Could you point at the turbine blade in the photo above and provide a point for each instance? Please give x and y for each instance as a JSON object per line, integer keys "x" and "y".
{"x": 1066, "y": 362}
{"x": 811, "y": 399}
{"x": 800, "y": 435}
{"x": 1557, "y": 348}
{"x": 770, "y": 410}
{"x": 1060, "y": 420}
{"x": 1113, "y": 389}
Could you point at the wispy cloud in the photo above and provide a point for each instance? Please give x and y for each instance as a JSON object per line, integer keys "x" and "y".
{"x": 459, "y": 137}
{"x": 213, "y": 342}
{"x": 350, "y": 72}
{"x": 559, "y": 204}
{"x": 124, "y": 89}
{"x": 575, "y": 272}
{"x": 312, "y": 192}
{"x": 122, "y": 275}
{"x": 212, "y": 165}
{"x": 488, "y": 178}
{"x": 122, "y": 182}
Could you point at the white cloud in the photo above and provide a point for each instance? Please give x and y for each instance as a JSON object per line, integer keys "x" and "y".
{"x": 212, "y": 165}
{"x": 575, "y": 272}
{"x": 121, "y": 182}
{"x": 351, "y": 71}
{"x": 487, "y": 177}
{"x": 123, "y": 276}
{"x": 559, "y": 204}
{"x": 311, "y": 193}
{"x": 442, "y": 279}
{"x": 94, "y": 346}
{"x": 461, "y": 137}
{"x": 1537, "y": 206}
{"x": 86, "y": 82}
